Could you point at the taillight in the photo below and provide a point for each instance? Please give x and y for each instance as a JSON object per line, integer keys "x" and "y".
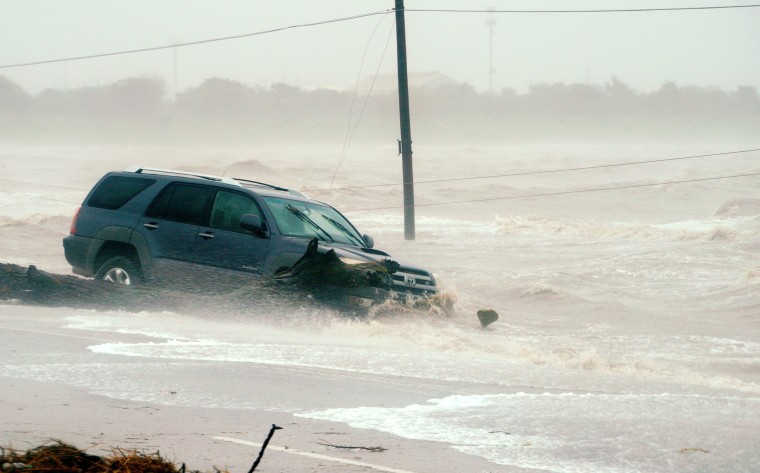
{"x": 73, "y": 228}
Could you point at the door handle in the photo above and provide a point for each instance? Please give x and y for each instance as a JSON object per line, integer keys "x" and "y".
{"x": 150, "y": 225}
{"x": 206, "y": 235}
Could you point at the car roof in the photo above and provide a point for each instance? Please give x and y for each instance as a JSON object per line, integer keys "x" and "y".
{"x": 261, "y": 188}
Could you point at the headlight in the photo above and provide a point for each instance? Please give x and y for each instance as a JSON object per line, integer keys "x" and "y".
{"x": 350, "y": 261}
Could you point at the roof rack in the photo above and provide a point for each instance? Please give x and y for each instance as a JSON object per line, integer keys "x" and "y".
{"x": 141, "y": 170}
{"x": 262, "y": 184}
{"x": 227, "y": 180}
{"x": 270, "y": 186}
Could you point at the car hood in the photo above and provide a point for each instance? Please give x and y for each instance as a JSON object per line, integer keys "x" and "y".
{"x": 364, "y": 254}
{"x": 354, "y": 252}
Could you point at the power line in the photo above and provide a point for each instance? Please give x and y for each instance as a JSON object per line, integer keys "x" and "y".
{"x": 349, "y": 132}
{"x": 489, "y": 199}
{"x": 364, "y": 15}
{"x": 549, "y": 194}
{"x": 195, "y": 43}
{"x": 531, "y": 173}
{"x": 606, "y": 10}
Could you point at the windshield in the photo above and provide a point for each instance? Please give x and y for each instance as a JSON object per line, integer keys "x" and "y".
{"x": 312, "y": 220}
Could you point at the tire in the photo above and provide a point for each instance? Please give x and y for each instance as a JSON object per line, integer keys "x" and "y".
{"x": 119, "y": 270}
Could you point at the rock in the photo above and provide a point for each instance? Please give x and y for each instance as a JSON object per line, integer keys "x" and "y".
{"x": 487, "y": 317}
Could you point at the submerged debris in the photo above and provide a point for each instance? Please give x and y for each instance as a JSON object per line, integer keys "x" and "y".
{"x": 693, "y": 450}
{"x": 352, "y": 447}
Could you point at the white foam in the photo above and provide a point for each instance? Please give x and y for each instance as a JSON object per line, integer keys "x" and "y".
{"x": 446, "y": 352}
{"x": 710, "y": 229}
{"x": 569, "y": 432}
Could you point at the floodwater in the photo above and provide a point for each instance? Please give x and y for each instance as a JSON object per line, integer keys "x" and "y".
{"x": 629, "y": 330}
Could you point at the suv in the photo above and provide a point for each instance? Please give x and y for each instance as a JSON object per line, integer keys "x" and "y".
{"x": 144, "y": 225}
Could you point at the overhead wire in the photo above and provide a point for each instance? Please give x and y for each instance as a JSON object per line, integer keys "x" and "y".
{"x": 601, "y": 10}
{"x": 550, "y": 194}
{"x": 349, "y": 132}
{"x": 487, "y": 199}
{"x": 386, "y": 12}
{"x": 364, "y": 15}
{"x": 195, "y": 43}
{"x": 530, "y": 173}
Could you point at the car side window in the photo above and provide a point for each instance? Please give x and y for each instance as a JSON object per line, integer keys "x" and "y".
{"x": 115, "y": 191}
{"x": 181, "y": 203}
{"x": 229, "y": 207}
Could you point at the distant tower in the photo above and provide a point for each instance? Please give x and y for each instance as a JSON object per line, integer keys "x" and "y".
{"x": 175, "y": 72}
{"x": 490, "y": 22}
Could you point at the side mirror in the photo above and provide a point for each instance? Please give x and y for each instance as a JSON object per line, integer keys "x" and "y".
{"x": 253, "y": 224}
{"x": 369, "y": 241}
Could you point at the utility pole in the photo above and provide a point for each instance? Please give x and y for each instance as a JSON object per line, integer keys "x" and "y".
{"x": 405, "y": 144}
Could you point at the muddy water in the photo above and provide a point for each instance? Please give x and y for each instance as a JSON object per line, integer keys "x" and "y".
{"x": 629, "y": 330}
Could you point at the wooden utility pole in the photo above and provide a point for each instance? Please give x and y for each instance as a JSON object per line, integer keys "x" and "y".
{"x": 406, "y": 127}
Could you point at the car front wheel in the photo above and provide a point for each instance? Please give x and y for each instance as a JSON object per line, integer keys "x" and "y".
{"x": 119, "y": 270}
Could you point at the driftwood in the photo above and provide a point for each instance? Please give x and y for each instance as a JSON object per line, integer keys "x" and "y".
{"x": 264, "y": 447}
{"x": 352, "y": 447}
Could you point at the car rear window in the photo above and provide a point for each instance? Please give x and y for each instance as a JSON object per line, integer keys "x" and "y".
{"x": 116, "y": 191}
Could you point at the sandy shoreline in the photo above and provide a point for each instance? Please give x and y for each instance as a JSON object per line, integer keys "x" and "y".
{"x": 35, "y": 411}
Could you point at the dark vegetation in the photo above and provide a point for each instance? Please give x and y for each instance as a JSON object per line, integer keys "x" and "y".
{"x": 59, "y": 457}
{"x": 140, "y": 111}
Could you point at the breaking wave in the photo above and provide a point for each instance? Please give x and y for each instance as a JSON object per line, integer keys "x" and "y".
{"x": 739, "y": 208}
{"x": 442, "y": 303}
{"x": 36, "y": 219}
{"x": 678, "y": 231}
{"x": 753, "y": 275}
{"x": 540, "y": 289}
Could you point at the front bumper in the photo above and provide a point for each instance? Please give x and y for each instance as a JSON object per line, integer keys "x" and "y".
{"x": 413, "y": 281}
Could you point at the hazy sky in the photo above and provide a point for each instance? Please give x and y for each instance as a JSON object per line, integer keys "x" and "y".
{"x": 644, "y": 49}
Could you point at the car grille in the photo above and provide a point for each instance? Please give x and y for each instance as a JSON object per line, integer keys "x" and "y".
{"x": 413, "y": 280}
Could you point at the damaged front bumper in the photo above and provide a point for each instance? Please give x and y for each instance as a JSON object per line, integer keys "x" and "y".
{"x": 326, "y": 275}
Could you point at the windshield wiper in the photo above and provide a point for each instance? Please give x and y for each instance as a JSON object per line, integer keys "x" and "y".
{"x": 345, "y": 230}
{"x": 311, "y": 222}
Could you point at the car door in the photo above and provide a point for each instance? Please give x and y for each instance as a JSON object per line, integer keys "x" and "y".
{"x": 223, "y": 245}
{"x": 170, "y": 227}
